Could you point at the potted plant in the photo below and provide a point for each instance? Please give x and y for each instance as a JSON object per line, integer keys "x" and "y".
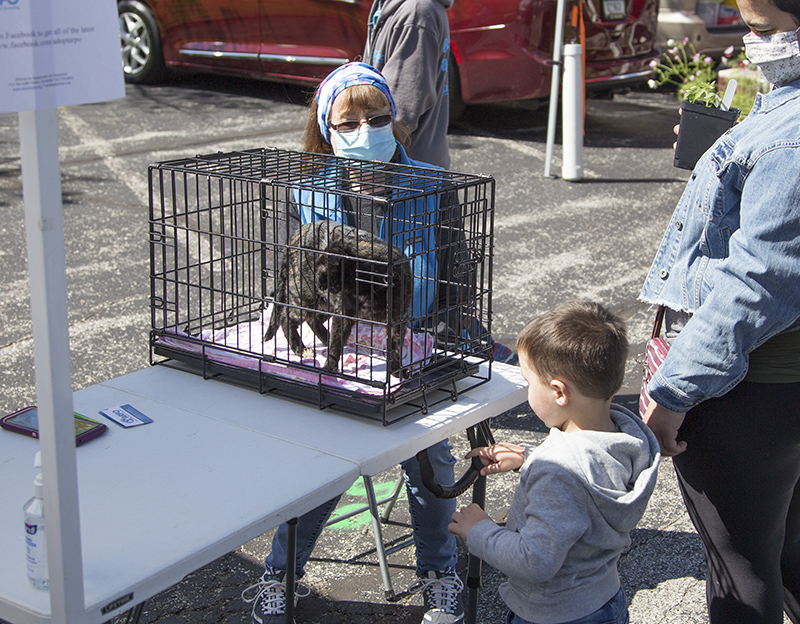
{"x": 703, "y": 120}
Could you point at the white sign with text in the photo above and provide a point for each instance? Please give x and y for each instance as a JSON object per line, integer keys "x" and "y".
{"x": 58, "y": 54}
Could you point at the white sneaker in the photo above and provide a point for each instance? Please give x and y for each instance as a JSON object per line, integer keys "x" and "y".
{"x": 441, "y": 593}
{"x": 268, "y": 596}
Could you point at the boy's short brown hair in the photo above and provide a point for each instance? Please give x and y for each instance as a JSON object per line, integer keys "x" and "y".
{"x": 581, "y": 342}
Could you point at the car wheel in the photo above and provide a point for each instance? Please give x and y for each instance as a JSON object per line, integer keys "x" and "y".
{"x": 142, "y": 56}
{"x": 457, "y": 104}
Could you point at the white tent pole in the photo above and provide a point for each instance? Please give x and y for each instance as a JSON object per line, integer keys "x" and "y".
{"x": 41, "y": 185}
{"x": 555, "y": 82}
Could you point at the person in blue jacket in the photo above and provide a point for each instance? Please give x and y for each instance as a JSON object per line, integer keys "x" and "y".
{"x": 353, "y": 116}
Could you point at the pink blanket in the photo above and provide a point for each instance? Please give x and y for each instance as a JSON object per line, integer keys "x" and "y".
{"x": 364, "y": 355}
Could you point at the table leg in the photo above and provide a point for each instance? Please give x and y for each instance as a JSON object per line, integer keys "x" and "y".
{"x": 291, "y": 559}
{"x": 473, "y": 562}
{"x": 377, "y": 533}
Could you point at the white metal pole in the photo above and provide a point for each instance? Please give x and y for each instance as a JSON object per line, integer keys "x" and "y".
{"x": 555, "y": 82}
{"x": 572, "y": 118}
{"x": 41, "y": 186}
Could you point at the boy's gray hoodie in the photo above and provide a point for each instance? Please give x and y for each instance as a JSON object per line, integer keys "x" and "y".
{"x": 578, "y": 498}
{"x": 408, "y": 41}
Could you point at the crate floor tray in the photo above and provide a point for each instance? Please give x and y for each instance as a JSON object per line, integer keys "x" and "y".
{"x": 361, "y": 386}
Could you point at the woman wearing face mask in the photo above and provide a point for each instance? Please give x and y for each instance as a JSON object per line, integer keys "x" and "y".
{"x": 727, "y": 397}
{"x": 352, "y": 115}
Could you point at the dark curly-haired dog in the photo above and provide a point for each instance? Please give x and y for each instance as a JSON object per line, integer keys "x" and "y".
{"x": 336, "y": 271}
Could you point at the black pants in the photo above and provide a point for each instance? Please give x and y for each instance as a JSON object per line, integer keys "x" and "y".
{"x": 740, "y": 481}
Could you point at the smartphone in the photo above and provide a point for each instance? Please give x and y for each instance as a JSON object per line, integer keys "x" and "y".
{"x": 26, "y": 421}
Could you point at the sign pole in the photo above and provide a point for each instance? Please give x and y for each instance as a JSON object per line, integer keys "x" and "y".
{"x": 63, "y": 53}
{"x": 41, "y": 184}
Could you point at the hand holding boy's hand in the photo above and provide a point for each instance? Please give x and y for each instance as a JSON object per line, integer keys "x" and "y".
{"x": 500, "y": 457}
{"x": 466, "y": 518}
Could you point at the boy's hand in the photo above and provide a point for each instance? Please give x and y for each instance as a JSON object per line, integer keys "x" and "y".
{"x": 500, "y": 457}
{"x": 465, "y": 519}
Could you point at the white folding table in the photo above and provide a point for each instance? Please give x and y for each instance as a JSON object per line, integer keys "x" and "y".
{"x": 219, "y": 465}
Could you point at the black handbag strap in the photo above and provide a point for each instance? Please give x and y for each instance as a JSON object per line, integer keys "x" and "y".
{"x": 659, "y": 320}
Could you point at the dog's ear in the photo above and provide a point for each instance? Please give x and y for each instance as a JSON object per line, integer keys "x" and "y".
{"x": 329, "y": 276}
{"x": 322, "y": 276}
{"x": 329, "y": 269}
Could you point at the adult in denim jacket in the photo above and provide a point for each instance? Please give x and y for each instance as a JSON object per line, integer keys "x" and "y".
{"x": 727, "y": 397}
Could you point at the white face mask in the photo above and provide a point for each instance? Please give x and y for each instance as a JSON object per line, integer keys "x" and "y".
{"x": 778, "y": 55}
{"x": 366, "y": 143}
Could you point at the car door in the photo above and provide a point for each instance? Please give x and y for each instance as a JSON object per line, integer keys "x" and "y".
{"x": 223, "y": 35}
{"x": 303, "y": 40}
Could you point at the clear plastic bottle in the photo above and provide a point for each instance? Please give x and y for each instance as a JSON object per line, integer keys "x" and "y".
{"x": 35, "y": 543}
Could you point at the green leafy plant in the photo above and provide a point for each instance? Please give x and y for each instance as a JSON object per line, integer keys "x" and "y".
{"x": 692, "y": 75}
{"x": 702, "y": 93}
{"x": 701, "y": 79}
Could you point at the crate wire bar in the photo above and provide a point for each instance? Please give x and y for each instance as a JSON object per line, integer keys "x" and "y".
{"x": 221, "y": 226}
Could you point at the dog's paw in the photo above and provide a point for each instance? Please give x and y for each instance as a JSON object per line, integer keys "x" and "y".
{"x": 400, "y": 372}
{"x": 309, "y": 354}
{"x": 331, "y": 365}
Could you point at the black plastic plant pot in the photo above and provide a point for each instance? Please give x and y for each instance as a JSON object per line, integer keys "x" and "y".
{"x": 700, "y": 126}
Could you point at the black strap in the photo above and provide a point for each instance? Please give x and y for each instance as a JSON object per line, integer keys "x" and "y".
{"x": 659, "y": 320}
{"x": 479, "y": 435}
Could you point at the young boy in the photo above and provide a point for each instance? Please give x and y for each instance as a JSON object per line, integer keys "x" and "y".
{"x": 582, "y": 490}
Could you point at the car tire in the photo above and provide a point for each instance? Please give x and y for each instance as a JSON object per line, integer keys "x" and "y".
{"x": 142, "y": 56}
{"x": 457, "y": 104}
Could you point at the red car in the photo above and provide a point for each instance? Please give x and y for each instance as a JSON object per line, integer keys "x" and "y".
{"x": 501, "y": 49}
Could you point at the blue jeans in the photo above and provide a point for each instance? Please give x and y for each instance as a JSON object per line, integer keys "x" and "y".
{"x": 615, "y": 611}
{"x": 435, "y": 545}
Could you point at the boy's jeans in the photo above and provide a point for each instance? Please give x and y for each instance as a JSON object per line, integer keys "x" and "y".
{"x": 615, "y": 611}
{"x": 436, "y": 546}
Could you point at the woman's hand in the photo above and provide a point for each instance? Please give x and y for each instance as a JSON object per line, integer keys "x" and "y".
{"x": 500, "y": 457}
{"x": 665, "y": 425}
{"x": 466, "y": 518}
{"x": 675, "y": 130}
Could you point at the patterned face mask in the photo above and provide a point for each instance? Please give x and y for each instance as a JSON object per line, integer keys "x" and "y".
{"x": 778, "y": 55}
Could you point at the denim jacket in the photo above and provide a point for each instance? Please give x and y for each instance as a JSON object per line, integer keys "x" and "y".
{"x": 731, "y": 254}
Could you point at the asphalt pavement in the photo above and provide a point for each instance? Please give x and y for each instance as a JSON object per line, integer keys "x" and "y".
{"x": 555, "y": 240}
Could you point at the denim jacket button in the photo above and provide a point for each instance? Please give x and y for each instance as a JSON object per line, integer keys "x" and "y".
{"x": 663, "y": 273}
{"x": 679, "y": 225}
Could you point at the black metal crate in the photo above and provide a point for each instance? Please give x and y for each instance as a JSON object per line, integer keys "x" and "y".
{"x": 221, "y": 226}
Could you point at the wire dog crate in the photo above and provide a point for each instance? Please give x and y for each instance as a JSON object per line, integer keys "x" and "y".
{"x": 397, "y": 257}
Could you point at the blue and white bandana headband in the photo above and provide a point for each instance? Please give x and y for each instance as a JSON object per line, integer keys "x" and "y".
{"x": 341, "y": 78}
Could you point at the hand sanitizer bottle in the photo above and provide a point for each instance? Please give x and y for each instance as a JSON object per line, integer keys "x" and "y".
{"x": 35, "y": 544}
